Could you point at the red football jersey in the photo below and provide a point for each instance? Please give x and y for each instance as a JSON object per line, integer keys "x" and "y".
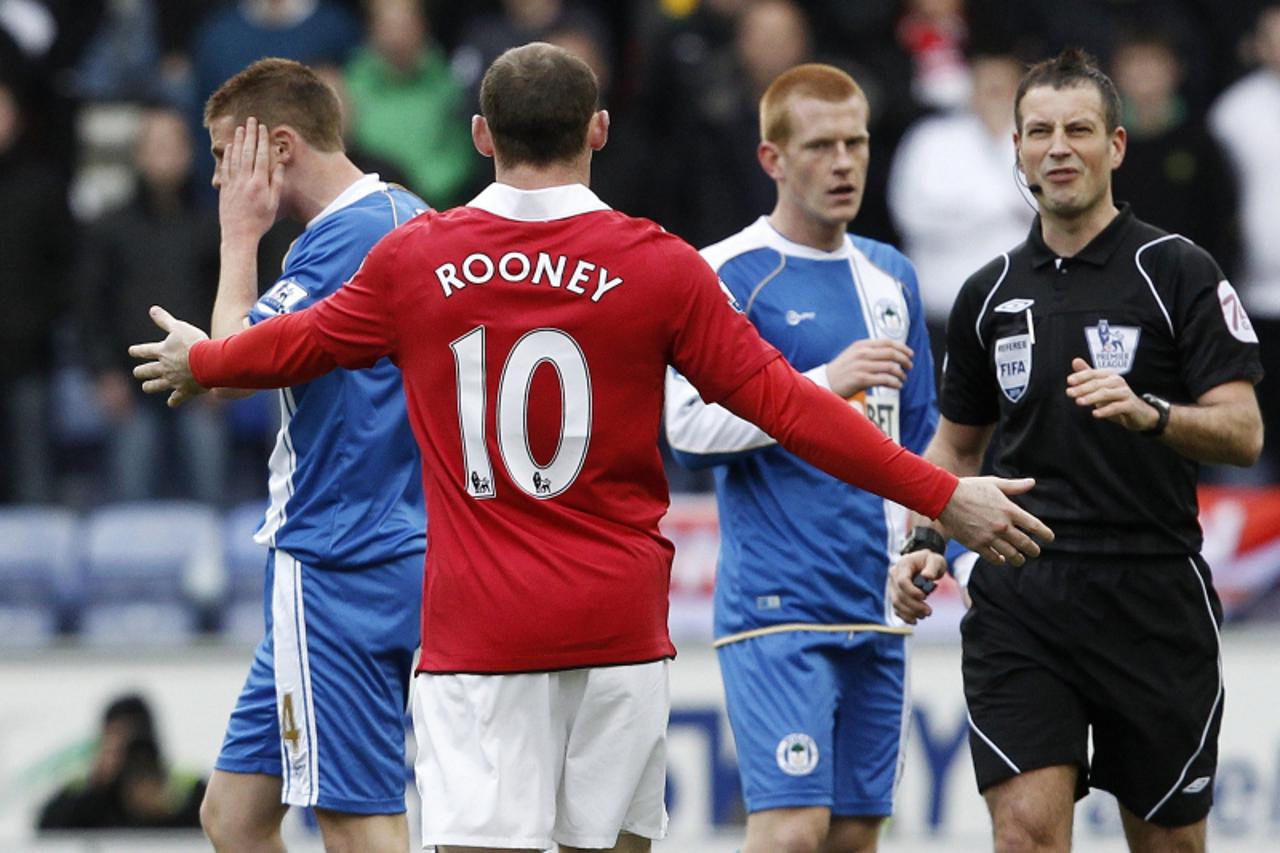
{"x": 533, "y": 330}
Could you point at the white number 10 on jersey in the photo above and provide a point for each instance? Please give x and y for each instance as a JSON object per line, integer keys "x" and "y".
{"x": 539, "y": 346}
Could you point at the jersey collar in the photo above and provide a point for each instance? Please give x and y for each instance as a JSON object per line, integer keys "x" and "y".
{"x": 542, "y": 205}
{"x": 763, "y": 231}
{"x": 363, "y": 186}
{"x": 1098, "y": 251}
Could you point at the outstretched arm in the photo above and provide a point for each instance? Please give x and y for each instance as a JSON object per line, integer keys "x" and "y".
{"x": 351, "y": 328}
{"x": 702, "y": 435}
{"x": 167, "y": 364}
{"x": 819, "y": 427}
{"x": 282, "y": 351}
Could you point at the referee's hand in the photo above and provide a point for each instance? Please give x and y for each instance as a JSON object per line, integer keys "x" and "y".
{"x": 166, "y": 367}
{"x": 1109, "y": 396}
{"x": 907, "y": 597}
{"x": 983, "y": 519}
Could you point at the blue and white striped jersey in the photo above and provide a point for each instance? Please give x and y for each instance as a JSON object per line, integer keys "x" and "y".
{"x": 345, "y": 482}
{"x": 798, "y": 546}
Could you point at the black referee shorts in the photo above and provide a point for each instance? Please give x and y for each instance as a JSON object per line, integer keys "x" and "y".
{"x": 1127, "y": 646}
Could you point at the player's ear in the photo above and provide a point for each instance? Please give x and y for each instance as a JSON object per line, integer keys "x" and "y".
{"x": 283, "y": 143}
{"x": 770, "y": 157}
{"x": 598, "y": 130}
{"x": 480, "y": 136}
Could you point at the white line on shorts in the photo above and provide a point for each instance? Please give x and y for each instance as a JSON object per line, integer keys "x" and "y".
{"x": 1204, "y": 735}
{"x": 989, "y": 743}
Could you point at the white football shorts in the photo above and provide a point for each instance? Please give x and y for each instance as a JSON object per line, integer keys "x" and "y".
{"x": 534, "y": 759}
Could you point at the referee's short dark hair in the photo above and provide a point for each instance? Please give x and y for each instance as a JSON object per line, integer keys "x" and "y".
{"x": 1073, "y": 67}
{"x": 538, "y": 100}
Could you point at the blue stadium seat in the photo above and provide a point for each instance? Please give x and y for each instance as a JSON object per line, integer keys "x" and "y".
{"x": 150, "y": 568}
{"x": 37, "y": 572}
{"x": 246, "y": 562}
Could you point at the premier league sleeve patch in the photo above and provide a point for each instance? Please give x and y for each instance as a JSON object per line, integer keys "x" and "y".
{"x": 282, "y": 297}
{"x": 733, "y": 300}
{"x": 1013, "y": 365}
{"x": 1112, "y": 347}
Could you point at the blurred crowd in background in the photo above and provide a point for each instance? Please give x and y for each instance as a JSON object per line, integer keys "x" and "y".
{"x": 106, "y": 208}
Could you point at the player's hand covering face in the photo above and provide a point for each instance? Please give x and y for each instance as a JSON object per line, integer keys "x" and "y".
{"x": 248, "y": 182}
{"x": 166, "y": 367}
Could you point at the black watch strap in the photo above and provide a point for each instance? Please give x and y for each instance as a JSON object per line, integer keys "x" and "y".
{"x": 1162, "y": 407}
{"x": 924, "y": 539}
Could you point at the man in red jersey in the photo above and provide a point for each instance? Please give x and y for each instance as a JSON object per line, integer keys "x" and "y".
{"x": 533, "y": 328}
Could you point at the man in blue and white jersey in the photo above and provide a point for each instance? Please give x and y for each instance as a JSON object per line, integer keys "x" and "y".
{"x": 813, "y": 659}
{"x": 320, "y": 719}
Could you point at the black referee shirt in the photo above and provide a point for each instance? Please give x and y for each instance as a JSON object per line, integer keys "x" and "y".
{"x": 1150, "y": 305}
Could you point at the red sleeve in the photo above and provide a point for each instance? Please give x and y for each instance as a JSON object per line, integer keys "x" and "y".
{"x": 825, "y": 431}
{"x": 273, "y": 354}
{"x": 353, "y": 327}
{"x": 713, "y": 345}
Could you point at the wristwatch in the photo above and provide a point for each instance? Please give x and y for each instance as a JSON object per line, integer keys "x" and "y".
{"x": 1162, "y": 407}
{"x": 924, "y": 539}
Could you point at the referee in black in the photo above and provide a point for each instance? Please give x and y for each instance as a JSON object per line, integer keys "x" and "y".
{"x": 1114, "y": 357}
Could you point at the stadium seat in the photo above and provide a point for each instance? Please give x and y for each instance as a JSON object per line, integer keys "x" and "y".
{"x": 37, "y": 572}
{"x": 150, "y": 570}
{"x": 246, "y": 561}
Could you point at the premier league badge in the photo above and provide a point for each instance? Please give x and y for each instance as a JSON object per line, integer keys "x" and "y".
{"x": 282, "y": 297}
{"x": 1112, "y": 347}
{"x": 1013, "y": 365}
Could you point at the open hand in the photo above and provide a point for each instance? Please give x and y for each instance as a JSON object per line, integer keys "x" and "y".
{"x": 249, "y": 184}
{"x": 982, "y": 518}
{"x": 167, "y": 368}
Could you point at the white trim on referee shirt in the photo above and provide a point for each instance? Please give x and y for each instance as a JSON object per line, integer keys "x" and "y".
{"x": 977, "y": 324}
{"x": 1137, "y": 260}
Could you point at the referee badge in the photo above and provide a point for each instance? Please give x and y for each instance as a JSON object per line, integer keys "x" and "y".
{"x": 1013, "y": 365}
{"x": 1112, "y": 347}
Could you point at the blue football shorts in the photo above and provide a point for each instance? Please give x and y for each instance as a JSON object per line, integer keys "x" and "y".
{"x": 324, "y": 704}
{"x": 819, "y": 719}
